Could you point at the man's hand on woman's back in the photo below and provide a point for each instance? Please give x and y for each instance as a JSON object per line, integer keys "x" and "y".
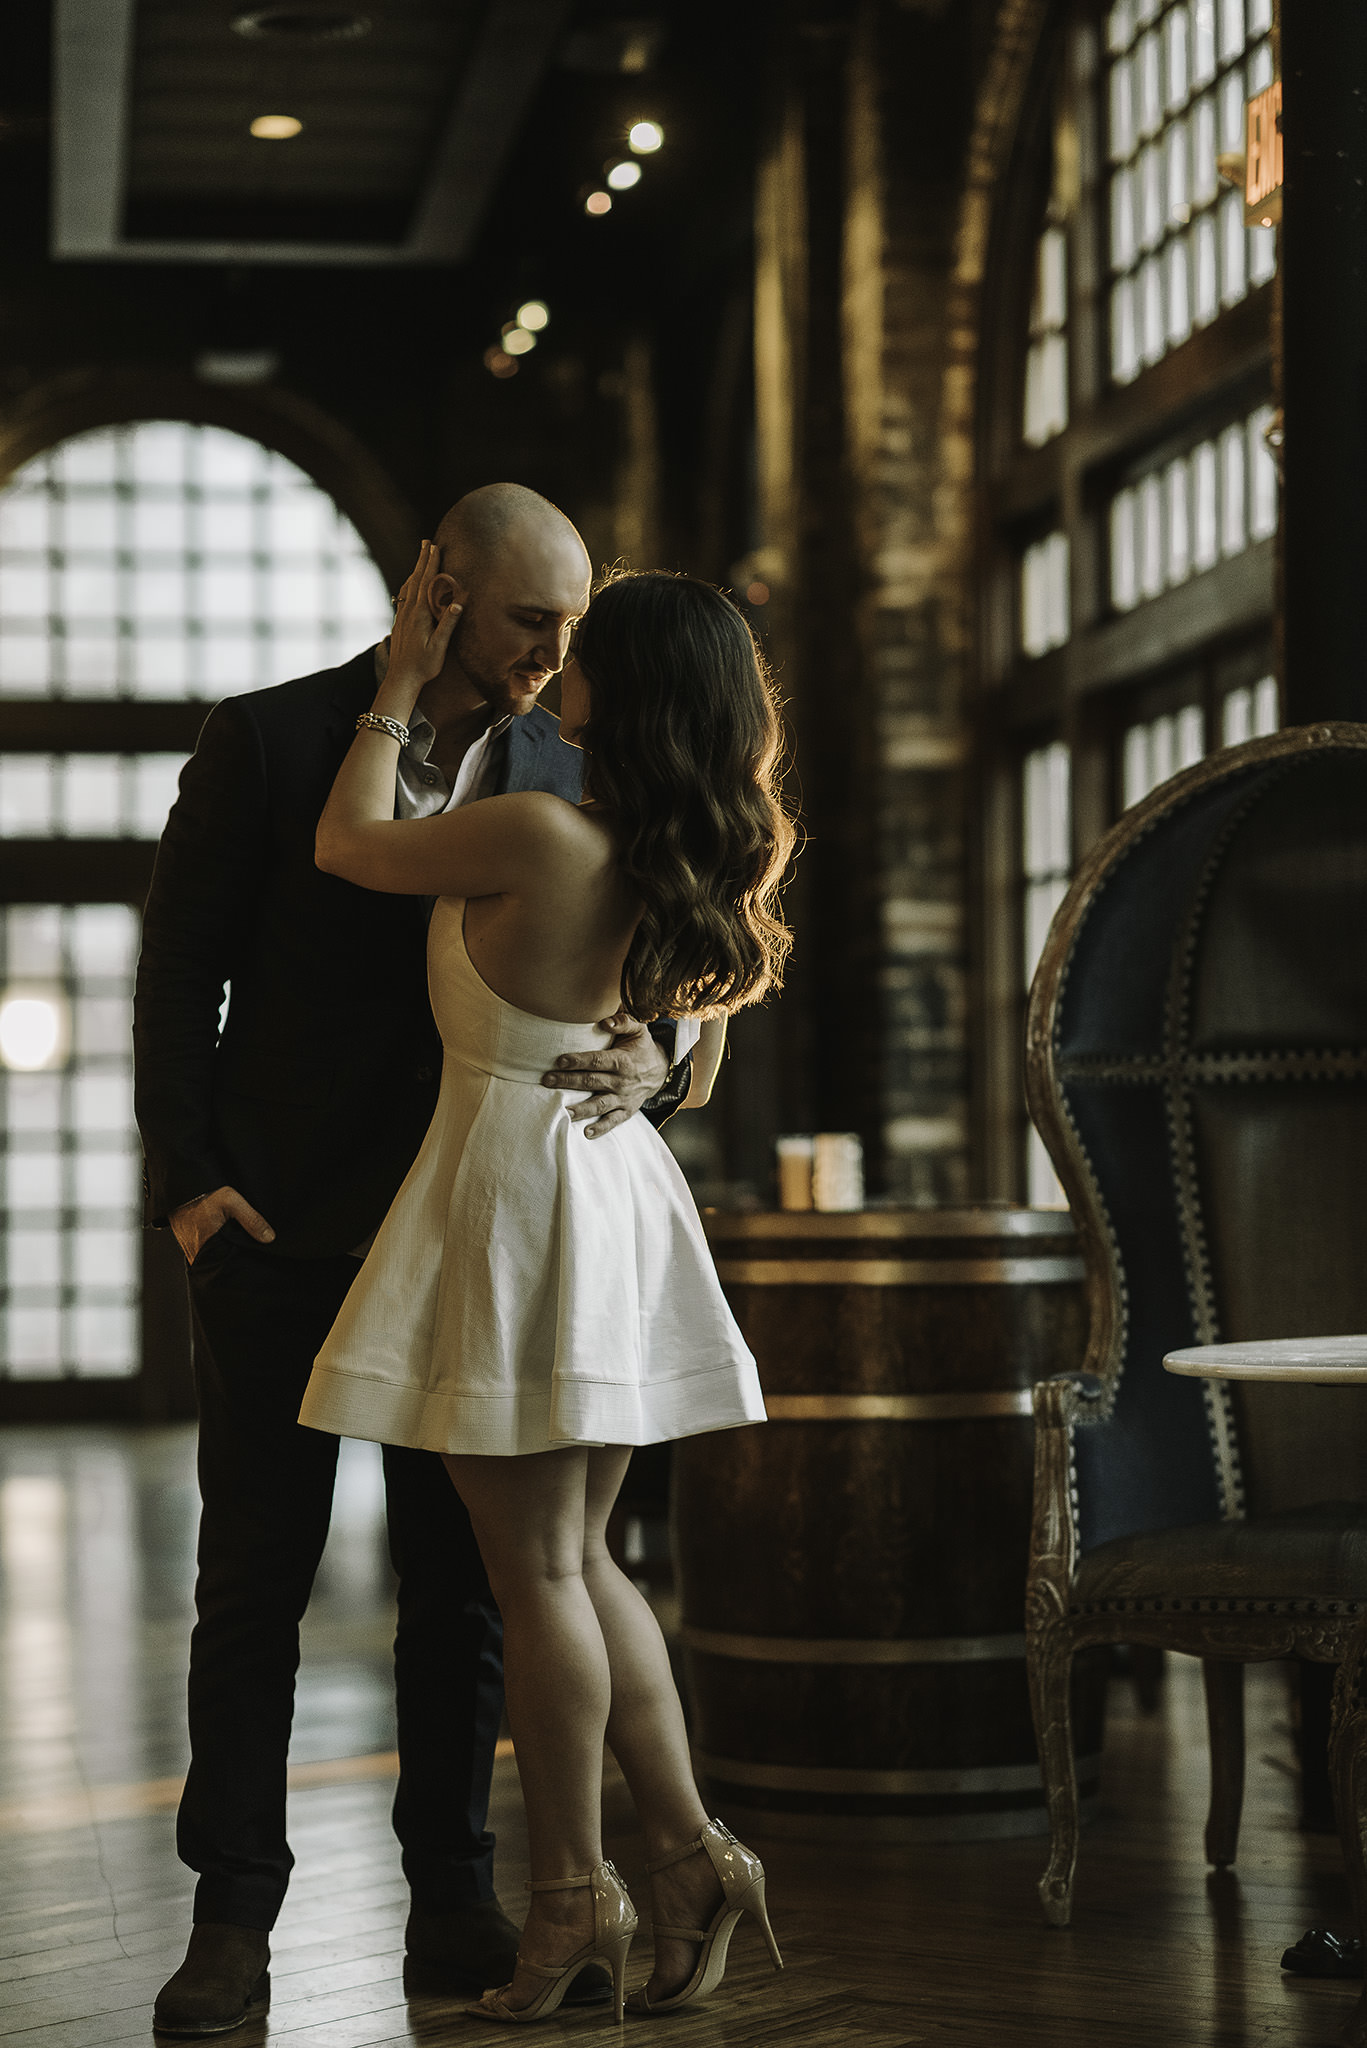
{"x": 617, "y": 1080}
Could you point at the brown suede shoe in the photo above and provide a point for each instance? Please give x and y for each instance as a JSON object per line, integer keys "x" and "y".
{"x": 223, "y": 1981}
{"x": 474, "y": 1948}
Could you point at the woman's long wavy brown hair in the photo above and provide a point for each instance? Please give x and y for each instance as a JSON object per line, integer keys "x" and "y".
{"x": 684, "y": 738}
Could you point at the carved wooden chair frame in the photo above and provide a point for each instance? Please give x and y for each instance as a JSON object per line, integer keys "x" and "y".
{"x": 1224, "y": 1634}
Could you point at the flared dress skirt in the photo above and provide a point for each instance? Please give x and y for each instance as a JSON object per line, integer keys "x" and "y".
{"x": 530, "y": 1287}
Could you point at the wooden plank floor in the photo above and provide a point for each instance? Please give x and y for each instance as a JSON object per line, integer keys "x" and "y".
{"x": 887, "y": 1945}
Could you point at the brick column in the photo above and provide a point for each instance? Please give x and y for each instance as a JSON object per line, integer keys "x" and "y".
{"x": 857, "y": 210}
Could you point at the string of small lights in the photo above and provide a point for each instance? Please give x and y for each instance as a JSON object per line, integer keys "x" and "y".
{"x": 621, "y": 173}
{"x": 518, "y": 336}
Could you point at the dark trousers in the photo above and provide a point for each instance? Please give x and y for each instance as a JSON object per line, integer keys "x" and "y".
{"x": 267, "y": 1490}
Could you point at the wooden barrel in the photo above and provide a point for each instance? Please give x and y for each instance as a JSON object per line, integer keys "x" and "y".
{"x": 852, "y": 1573}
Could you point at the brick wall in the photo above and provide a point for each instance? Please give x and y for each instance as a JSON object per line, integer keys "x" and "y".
{"x": 858, "y": 206}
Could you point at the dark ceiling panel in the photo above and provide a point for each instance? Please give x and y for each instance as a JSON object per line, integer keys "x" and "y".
{"x": 373, "y": 109}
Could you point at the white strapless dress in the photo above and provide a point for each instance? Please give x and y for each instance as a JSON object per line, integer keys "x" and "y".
{"x": 531, "y": 1287}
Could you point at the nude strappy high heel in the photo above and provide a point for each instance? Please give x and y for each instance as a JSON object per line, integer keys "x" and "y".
{"x": 614, "y": 1923}
{"x": 742, "y": 1881}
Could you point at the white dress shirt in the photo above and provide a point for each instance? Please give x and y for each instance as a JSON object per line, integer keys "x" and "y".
{"x": 422, "y": 791}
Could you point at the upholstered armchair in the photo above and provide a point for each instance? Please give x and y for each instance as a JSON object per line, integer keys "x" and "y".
{"x": 1197, "y": 1066}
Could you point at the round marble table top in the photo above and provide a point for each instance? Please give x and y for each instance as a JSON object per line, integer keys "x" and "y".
{"x": 1314, "y": 1361}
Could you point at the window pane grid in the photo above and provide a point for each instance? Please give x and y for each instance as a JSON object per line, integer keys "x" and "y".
{"x": 1249, "y": 713}
{"x": 1046, "y": 862}
{"x": 1204, "y": 507}
{"x": 87, "y": 796}
{"x": 69, "y": 1158}
{"x": 1045, "y": 599}
{"x": 1157, "y": 748}
{"x": 1154, "y": 749}
{"x": 1177, "y": 82}
{"x": 1046, "y": 360}
{"x": 170, "y": 560}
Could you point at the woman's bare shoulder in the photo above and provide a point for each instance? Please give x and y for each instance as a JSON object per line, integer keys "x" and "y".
{"x": 556, "y": 827}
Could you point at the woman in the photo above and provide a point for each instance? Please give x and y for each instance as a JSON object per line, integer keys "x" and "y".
{"x": 535, "y": 1305}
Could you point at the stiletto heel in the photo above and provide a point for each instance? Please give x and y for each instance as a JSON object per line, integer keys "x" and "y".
{"x": 614, "y": 1954}
{"x": 741, "y": 1875}
{"x": 761, "y": 1913}
{"x": 614, "y": 1923}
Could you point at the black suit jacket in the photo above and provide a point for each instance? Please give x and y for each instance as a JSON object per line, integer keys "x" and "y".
{"x": 316, "y": 1097}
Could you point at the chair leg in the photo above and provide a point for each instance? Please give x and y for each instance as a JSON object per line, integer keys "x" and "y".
{"x": 1348, "y": 1771}
{"x": 1049, "y": 1663}
{"x": 1225, "y": 1721}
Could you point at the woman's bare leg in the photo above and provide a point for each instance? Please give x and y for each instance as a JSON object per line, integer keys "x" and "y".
{"x": 646, "y": 1733}
{"x": 528, "y": 1517}
{"x": 645, "y": 1727}
{"x": 583, "y": 1658}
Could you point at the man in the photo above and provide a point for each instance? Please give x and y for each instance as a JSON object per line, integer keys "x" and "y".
{"x": 274, "y": 1150}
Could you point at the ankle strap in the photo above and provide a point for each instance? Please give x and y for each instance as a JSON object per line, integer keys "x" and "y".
{"x": 557, "y": 1884}
{"x": 675, "y": 1856}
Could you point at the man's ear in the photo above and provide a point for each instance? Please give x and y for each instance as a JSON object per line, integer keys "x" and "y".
{"x": 444, "y": 590}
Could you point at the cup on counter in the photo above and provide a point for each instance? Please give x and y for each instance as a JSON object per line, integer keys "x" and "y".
{"x": 794, "y": 1172}
{"x": 837, "y": 1170}
{"x": 824, "y": 1172}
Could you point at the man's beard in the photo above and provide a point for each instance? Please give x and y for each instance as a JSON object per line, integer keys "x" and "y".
{"x": 493, "y": 687}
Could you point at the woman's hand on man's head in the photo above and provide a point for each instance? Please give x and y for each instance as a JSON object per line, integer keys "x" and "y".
{"x": 419, "y": 638}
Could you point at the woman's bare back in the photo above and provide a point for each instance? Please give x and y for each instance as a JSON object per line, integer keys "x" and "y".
{"x": 557, "y": 949}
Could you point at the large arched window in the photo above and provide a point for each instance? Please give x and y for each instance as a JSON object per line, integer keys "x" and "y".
{"x": 1128, "y": 466}
{"x": 167, "y": 560}
{"x": 144, "y": 570}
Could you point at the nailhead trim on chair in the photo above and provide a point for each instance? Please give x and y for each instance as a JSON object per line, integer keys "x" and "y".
{"x": 1236, "y": 1606}
{"x": 1175, "y": 1074}
{"x": 1110, "y": 1383}
{"x": 1219, "y": 1404}
{"x": 1110, "y": 1386}
{"x": 1205, "y": 1069}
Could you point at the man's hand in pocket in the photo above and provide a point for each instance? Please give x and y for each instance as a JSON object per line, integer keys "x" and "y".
{"x": 194, "y": 1223}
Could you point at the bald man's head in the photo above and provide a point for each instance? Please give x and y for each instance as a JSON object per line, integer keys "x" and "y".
{"x": 481, "y": 524}
{"x": 519, "y": 569}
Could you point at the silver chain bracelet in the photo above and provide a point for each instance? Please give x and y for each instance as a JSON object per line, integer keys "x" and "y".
{"x": 376, "y": 722}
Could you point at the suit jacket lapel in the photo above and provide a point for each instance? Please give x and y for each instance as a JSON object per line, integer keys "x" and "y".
{"x": 355, "y": 692}
{"x": 521, "y": 746}
{"x": 524, "y": 741}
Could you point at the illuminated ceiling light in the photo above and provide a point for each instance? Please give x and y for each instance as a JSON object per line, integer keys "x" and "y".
{"x": 499, "y": 363}
{"x": 624, "y": 175}
{"x": 598, "y": 202}
{"x": 35, "y": 1032}
{"x": 517, "y": 341}
{"x": 534, "y": 316}
{"x": 276, "y": 127}
{"x": 645, "y": 137}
